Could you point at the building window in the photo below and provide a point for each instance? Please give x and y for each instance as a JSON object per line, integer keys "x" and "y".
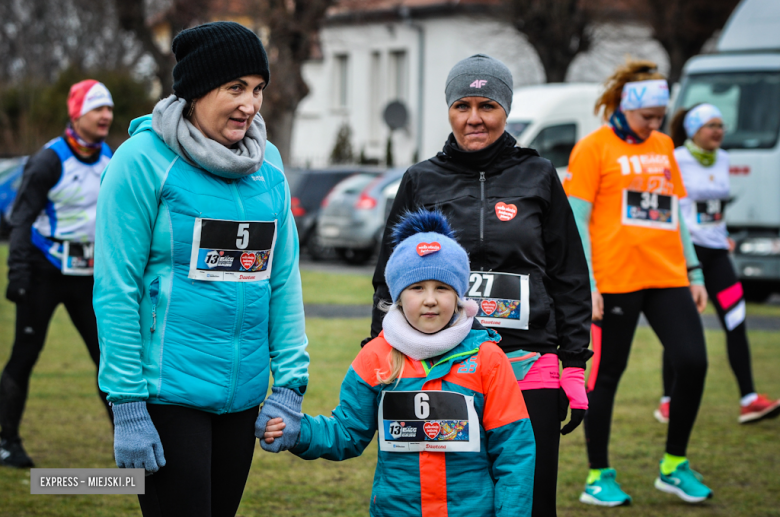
{"x": 341, "y": 80}
{"x": 375, "y": 97}
{"x": 399, "y": 75}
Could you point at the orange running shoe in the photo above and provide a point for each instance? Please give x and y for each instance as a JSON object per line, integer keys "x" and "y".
{"x": 662, "y": 413}
{"x": 759, "y": 409}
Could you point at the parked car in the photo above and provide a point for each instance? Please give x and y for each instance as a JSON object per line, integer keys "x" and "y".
{"x": 10, "y": 179}
{"x": 308, "y": 188}
{"x": 354, "y": 213}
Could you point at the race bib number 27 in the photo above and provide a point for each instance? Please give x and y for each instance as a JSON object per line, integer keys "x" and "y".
{"x": 232, "y": 251}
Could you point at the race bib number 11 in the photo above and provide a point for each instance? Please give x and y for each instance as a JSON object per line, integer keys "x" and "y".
{"x": 232, "y": 251}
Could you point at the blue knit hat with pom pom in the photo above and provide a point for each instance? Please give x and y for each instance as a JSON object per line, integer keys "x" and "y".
{"x": 426, "y": 250}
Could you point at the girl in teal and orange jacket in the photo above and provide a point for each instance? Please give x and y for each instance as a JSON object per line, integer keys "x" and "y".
{"x": 454, "y": 434}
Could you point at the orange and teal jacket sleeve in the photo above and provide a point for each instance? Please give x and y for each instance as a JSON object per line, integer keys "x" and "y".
{"x": 352, "y": 425}
{"x": 510, "y": 437}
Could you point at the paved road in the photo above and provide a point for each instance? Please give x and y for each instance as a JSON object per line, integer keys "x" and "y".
{"x": 364, "y": 311}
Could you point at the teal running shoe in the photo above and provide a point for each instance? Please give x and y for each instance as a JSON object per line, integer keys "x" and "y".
{"x": 605, "y": 491}
{"x": 684, "y": 483}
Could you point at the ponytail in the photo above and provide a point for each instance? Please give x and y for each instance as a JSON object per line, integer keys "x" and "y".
{"x": 631, "y": 71}
{"x": 677, "y": 126}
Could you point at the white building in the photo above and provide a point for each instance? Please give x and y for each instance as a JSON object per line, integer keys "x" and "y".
{"x": 372, "y": 57}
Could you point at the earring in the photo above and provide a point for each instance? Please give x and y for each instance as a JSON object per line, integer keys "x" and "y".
{"x": 192, "y": 108}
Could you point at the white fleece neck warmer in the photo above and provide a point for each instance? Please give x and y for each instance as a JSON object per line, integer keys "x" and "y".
{"x": 417, "y": 345}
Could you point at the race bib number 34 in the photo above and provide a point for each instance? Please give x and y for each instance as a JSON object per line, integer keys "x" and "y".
{"x": 649, "y": 209}
{"x": 435, "y": 421}
{"x": 232, "y": 251}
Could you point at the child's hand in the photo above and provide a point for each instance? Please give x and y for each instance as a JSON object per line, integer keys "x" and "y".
{"x": 273, "y": 429}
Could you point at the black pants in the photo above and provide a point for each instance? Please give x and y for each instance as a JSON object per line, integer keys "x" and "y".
{"x": 33, "y": 316}
{"x": 543, "y": 411}
{"x": 673, "y": 316}
{"x": 721, "y": 282}
{"x": 207, "y": 460}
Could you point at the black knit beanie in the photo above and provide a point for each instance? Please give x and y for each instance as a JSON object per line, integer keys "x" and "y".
{"x": 212, "y": 54}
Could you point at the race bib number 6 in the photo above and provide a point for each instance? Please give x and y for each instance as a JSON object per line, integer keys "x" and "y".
{"x": 434, "y": 421}
{"x": 232, "y": 251}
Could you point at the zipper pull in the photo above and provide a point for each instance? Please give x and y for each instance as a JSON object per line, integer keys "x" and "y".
{"x": 481, "y": 175}
{"x": 154, "y": 321}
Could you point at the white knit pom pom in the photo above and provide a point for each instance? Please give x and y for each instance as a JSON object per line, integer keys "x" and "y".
{"x": 471, "y": 308}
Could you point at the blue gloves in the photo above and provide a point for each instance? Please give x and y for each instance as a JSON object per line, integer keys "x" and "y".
{"x": 136, "y": 442}
{"x": 286, "y": 404}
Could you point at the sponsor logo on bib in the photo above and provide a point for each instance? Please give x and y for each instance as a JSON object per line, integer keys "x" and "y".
{"x": 488, "y": 306}
{"x": 426, "y": 248}
{"x": 247, "y": 260}
{"x": 506, "y": 212}
{"x": 432, "y": 429}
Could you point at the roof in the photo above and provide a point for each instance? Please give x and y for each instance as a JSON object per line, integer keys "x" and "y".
{"x": 346, "y": 11}
{"x": 754, "y": 25}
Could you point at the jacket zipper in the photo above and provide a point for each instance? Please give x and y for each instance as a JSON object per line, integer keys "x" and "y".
{"x": 239, "y": 313}
{"x": 482, "y": 214}
{"x": 154, "y": 295}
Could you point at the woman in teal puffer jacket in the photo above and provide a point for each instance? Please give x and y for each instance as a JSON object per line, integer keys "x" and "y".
{"x": 197, "y": 288}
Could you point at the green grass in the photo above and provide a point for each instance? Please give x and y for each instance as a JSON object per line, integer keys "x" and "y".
{"x": 65, "y": 426}
{"x": 336, "y": 289}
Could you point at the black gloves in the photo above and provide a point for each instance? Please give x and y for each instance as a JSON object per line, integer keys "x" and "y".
{"x": 17, "y": 290}
{"x": 576, "y": 414}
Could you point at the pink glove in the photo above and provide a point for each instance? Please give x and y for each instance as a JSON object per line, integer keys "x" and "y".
{"x": 573, "y": 384}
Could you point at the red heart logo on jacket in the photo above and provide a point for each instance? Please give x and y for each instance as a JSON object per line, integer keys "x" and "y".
{"x": 488, "y": 306}
{"x": 247, "y": 260}
{"x": 426, "y": 248}
{"x": 432, "y": 429}
{"x": 506, "y": 212}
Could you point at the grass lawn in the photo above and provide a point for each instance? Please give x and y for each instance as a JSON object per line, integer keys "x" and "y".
{"x": 65, "y": 426}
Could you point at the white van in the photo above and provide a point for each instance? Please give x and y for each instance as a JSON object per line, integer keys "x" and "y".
{"x": 551, "y": 118}
{"x": 743, "y": 80}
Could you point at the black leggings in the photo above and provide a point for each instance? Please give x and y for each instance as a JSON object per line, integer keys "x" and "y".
{"x": 672, "y": 315}
{"x": 207, "y": 460}
{"x": 725, "y": 292}
{"x": 33, "y": 316}
{"x": 542, "y": 405}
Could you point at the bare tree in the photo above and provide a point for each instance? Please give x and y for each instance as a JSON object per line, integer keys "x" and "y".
{"x": 557, "y": 29}
{"x": 134, "y": 16}
{"x": 293, "y": 28}
{"x": 684, "y": 26}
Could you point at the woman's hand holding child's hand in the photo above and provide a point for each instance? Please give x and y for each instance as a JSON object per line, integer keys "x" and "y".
{"x": 273, "y": 429}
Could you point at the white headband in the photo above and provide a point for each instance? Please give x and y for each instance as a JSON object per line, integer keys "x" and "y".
{"x": 644, "y": 94}
{"x": 699, "y": 116}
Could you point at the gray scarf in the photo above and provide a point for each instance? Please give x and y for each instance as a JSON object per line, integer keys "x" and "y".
{"x": 198, "y": 150}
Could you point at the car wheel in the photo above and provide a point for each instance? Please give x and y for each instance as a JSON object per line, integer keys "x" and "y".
{"x": 355, "y": 256}
{"x": 315, "y": 248}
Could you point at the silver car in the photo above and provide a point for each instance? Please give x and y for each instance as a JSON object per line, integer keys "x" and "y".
{"x": 352, "y": 218}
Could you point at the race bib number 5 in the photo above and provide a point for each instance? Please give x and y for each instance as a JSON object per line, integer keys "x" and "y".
{"x": 502, "y": 299}
{"x": 649, "y": 209}
{"x": 434, "y": 421}
{"x": 232, "y": 251}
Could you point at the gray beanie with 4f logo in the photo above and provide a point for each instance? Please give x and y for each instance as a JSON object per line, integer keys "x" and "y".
{"x": 480, "y": 76}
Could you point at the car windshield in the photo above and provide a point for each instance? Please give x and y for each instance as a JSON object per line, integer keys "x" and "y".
{"x": 749, "y": 101}
{"x": 516, "y": 127}
{"x": 354, "y": 184}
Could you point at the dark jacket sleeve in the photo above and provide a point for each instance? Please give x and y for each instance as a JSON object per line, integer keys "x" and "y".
{"x": 567, "y": 273}
{"x": 404, "y": 201}
{"x": 41, "y": 174}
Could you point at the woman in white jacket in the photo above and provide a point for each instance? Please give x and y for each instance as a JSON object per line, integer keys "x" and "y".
{"x": 697, "y": 134}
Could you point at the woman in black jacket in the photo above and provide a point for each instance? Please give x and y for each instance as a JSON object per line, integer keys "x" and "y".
{"x": 529, "y": 273}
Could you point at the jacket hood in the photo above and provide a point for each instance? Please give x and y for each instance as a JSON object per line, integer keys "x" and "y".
{"x": 140, "y": 124}
{"x": 465, "y": 349}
